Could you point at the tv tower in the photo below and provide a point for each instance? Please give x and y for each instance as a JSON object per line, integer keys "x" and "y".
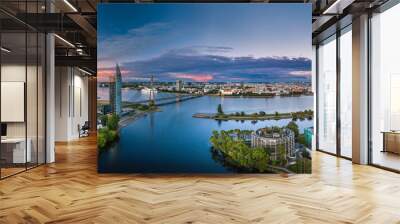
{"x": 152, "y": 90}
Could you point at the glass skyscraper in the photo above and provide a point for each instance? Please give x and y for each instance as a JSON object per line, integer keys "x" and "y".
{"x": 115, "y": 91}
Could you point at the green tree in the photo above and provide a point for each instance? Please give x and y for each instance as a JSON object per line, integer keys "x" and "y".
{"x": 103, "y": 119}
{"x": 262, "y": 113}
{"x": 112, "y": 122}
{"x": 302, "y": 139}
{"x": 276, "y": 113}
{"x": 106, "y": 136}
{"x": 305, "y": 154}
{"x": 238, "y": 153}
{"x": 282, "y": 155}
{"x": 101, "y": 140}
{"x": 294, "y": 127}
{"x": 152, "y": 103}
{"x": 242, "y": 113}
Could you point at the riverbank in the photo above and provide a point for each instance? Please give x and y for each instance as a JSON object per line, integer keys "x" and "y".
{"x": 239, "y": 95}
{"x": 246, "y": 117}
{"x": 301, "y": 115}
{"x": 127, "y": 119}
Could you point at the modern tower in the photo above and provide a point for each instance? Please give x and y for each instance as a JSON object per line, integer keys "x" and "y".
{"x": 179, "y": 85}
{"x": 111, "y": 87}
{"x": 152, "y": 90}
{"x": 115, "y": 86}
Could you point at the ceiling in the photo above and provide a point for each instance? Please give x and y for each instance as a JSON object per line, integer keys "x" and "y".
{"x": 75, "y": 21}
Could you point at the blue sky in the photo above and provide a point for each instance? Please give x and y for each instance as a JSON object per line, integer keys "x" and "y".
{"x": 205, "y": 42}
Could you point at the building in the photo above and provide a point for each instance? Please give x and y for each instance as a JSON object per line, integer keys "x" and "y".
{"x": 111, "y": 89}
{"x": 271, "y": 139}
{"x": 308, "y": 135}
{"x": 226, "y": 92}
{"x": 115, "y": 86}
{"x": 179, "y": 85}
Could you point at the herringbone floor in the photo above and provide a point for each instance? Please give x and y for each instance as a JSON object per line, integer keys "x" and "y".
{"x": 71, "y": 191}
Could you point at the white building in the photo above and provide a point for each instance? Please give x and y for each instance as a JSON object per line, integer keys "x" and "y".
{"x": 271, "y": 139}
{"x": 179, "y": 85}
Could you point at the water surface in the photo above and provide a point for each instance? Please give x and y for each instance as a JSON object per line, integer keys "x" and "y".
{"x": 172, "y": 141}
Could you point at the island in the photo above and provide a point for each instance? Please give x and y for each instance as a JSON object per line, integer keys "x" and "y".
{"x": 266, "y": 150}
{"x": 220, "y": 115}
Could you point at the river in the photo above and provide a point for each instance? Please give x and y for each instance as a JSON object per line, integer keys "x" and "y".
{"x": 172, "y": 141}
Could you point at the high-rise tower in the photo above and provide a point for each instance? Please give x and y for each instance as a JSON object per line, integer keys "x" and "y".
{"x": 111, "y": 88}
{"x": 151, "y": 97}
{"x": 115, "y": 86}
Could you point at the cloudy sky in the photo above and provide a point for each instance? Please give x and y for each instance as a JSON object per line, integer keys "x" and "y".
{"x": 205, "y": 42}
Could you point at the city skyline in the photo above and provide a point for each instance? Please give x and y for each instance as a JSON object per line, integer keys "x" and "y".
{"x": 226, "y": 51}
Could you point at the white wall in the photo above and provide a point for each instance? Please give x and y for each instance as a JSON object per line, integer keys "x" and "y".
{"x": 33, "y": 126}
{"x": 14, "y": 73}
{"x": 71, "y": 103}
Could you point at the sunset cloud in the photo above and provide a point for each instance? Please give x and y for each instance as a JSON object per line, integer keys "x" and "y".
{"x": 218, "y": 47}
{"x": 194, "y": 77}
{"x": 105, "y": 73}
{"x": 188, "y": 63}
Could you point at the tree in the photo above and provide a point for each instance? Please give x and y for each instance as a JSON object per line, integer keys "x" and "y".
{"x": 152, "y": 103}
{"x": 112, "y": 122}
{"x": 305, "y": 154}
{"x": 262, "y": 113}
{"x": 103, "y": 119}
{"x": 293, "y": 126}
{"x": 101, "y": 140}
{"x": 242, "y": 113}
{"x": 282, "y": 155}
{"x": 219, "y": 109}
{"x": 276, "y": 113}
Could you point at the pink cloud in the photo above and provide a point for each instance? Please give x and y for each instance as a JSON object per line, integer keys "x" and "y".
{"x": 195, "y": 77}
{"x": 104, "y": 74}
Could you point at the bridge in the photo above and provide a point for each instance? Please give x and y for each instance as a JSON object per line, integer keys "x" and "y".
{"x": 165, "y": 100}
{"x": 177, "y": 100}
{"x": 161, "y": 99}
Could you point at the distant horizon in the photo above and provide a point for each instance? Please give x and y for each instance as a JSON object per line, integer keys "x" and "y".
{"x": 303, "y": 80}
{"x": 157, "y": 39}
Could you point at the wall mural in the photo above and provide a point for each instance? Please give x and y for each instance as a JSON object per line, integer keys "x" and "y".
{"x": 204, "y": 88}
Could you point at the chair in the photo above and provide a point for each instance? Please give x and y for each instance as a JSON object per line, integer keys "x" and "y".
{"x": 84, "y": 130}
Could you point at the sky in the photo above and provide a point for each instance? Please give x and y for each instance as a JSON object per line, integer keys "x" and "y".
{"x": 205, "y": 42}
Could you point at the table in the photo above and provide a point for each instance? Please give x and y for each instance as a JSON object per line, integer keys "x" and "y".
{"x": 16, "y": 147}
{"x": 391, "y": 141}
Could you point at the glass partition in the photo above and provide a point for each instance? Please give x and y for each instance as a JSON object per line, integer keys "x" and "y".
{"x": 41, "y": 96}
{"x": 22, "y": 88}
{"x": 13, "y": 92}
{"x": 346, "y": 92}
{"x": 31, "y": 98}
{"x": 385, "y": 89}
{"x": 327, "y": 95}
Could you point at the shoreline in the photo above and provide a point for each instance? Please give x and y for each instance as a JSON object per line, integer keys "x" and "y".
{"x": 126, "y": 120}
{"x": 104, "y": 101}
{"x": 246, "y": 117}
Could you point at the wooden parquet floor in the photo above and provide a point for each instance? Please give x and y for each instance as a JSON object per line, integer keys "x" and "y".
{"x": 71, "y": 191}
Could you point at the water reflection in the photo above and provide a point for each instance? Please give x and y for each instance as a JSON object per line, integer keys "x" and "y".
{"x": 172, "y": 141}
